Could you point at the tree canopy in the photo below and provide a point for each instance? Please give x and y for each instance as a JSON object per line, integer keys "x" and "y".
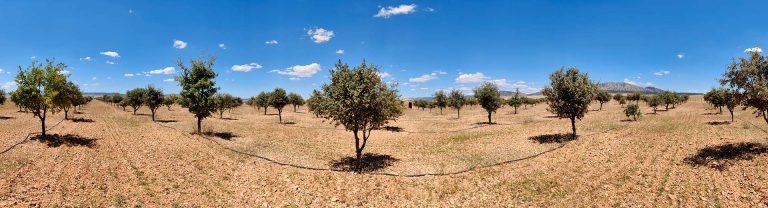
{"x": 488, "y": 96}
{"x": 569, "y": 94}
{"x": 198, "y": 88}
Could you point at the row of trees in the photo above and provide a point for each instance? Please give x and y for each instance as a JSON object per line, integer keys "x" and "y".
{"x": 276, "y": 99}
{"x": 723, "y": 97}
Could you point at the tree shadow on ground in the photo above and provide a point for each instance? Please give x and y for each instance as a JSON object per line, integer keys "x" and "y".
{"x": 370, "y": 162}
{"x": 223, "y": 135}
{"x": 552, "y": 138}
{"x": 715, "y": 123}
{"x": 289, "y": 123}
{"x": 626, "y": 120}
{"x": 166, "y": 121}
{"x": 393, "y": 128}
{"x": 230, "y": 119}
{"x": 79, "y": 112}
{"x": 5, "y": 117}
{"x": 551, "y": 116}
{"x": 486, "y": 123}
{"x": 721, "y": 157}
{"x": 82, "y": 120}
{"x": 709, "y": 114}
{"x": 56, "y": 140}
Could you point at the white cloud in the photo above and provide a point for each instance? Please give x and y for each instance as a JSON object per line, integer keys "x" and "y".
{"x": 340, "y": 51}
{"x": 320, "y": 35}
{"x": 33, "y": 57}
{"x": 661, "y": 73}
{"x": 93, "y": 78}
{"x": 390, "y": 10}
{"x": 753, "y": 50}
{"x": 294, "y": 78}
{"x": 646, "y": 84}
{"x": 64, "y": 72}
{"x": 128, "y": 75}
{"x": 222, "y": 46}
{"x": 299, "y": 70}
{"x": 110, "y": 54}
{"x": 440, "y": 72}
{"x": 271, "y": 42}
{"x": 246, "y": 67}
{"x": 471, "y": 78}
{"x": 87, "y": 58}
{"x": 9, "y": 85}
{"x": 180, "y": 44}
{"x": 424, "y": 88}
{"x": 166, "y": 70}
{"x": 629, "y": 81}
{"x": 424, "y": 78}
{"x": 384, "y": 75}
{"x": 110, "y": 62}
{"x": 680, "y": 56}
{"x": 169, "y": 80}
{"x": 429, "y": 9}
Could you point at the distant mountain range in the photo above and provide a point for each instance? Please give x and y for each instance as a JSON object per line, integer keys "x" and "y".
{"x": 623, "y": 87}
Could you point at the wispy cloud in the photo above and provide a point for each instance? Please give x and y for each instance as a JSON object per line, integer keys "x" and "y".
{"x": 423, "y": 78}
{"x": 753, "y": 50}
{"x": 128, "y": 75}
{"x": 340, "y": 52}
{"x": 222, "y": 46}
{"x": 471, "y": 78}
{"x": 169, "y": 80}
{"x": 661, "y": 73}
{"x": 389, "y": 11}
{"x": 180, "y": 44}
{"x": 87, "y": 58}
{"x": 166, "y": 70}
{"x": 680, "y": 55}
{"x": 246, "y": 67}
{"x": 272, "y": 42}
{"x": 320, "y": 35}
{"x": 112, "y": 54}
{"x": 110, "y": 62}
{"x": 300, "y": 70}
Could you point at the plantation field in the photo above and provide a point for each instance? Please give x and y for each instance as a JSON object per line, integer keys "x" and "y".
{"x": 688, "y": 156}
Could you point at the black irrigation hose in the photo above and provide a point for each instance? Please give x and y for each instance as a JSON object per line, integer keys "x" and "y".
{"x": 473, "y": 168}
{"x": 28, "y": 136}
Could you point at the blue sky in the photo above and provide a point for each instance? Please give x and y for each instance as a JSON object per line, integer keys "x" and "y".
{"x": 113, "y": 46}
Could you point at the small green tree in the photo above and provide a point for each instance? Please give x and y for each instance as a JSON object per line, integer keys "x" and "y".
{"x": 223, "y": 102}
{"x": 635, "y": 97}
{"x": 296, "y": 100}
{"x": 653, "y": 102}
{"x": 153, "y": 98}
{"x": 360, "y": 101}
{"x": 135, "y": 98}
{"x": 67, "y": 97}
{"x": 667, "y": 98}
{"x": 488, "y": 96}
{"x": 39, "y": 85}
{"x": 169, "y": 100}
{"x": 2, "y": 97}
{"x": 441, "y": 101}
{"x": 569, "y": 94}
{"x": 515, "y": 101}
{"x": 602, "y": 96}
{"x": 115, "y": 99}
{"x": 731, "y": 100}
{"x": 456, "y": 101}
{"x": 262, "y": 100}
{"x": 278, "y": 99}
{"x": 632, "y": 111}
{"x": 198, "y": 88}
{"x": 315, "y": 103}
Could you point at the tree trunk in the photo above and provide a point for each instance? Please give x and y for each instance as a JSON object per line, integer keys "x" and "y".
{"x": 153, "y": 115}
{"x": 358, "y": 151}
{"x": 134, "y": 111}
{"x": 66, "y": 114}
{"x": 601, "y": 107}
{"x": 573, "y": 126}
{"x": 731, "y": 115}
{"x": 515, "y": 109}
{"x": 265, "y": 110}
{"x": 489, "y": 117}
{"x": 666, "y": 107}
{"x": 294, "y": 108}
{"x": 280, "y": 115}
{"x": 441, "y": 111}
{"x": 458, "y": 113}
{"x": 199, "y": 120}
{"x": 221, "y": 114}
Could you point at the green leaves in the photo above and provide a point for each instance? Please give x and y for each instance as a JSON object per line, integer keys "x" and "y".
{"x": 198, "y": 87}
{"x": 570, "y": 93}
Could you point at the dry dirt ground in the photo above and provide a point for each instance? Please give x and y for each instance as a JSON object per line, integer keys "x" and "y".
{"x": 683, "y": 157}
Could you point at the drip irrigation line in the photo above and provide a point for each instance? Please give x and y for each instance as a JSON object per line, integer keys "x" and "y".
{"x": 28, "y": 136}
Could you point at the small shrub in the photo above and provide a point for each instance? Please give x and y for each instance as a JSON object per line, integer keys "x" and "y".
{"x": 632, "y": 111}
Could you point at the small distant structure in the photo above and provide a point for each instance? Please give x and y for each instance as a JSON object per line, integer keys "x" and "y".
{"x": 407, "y": 102}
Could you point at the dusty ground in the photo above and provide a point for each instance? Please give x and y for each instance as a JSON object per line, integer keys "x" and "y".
{"x": 683, "y": 157}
